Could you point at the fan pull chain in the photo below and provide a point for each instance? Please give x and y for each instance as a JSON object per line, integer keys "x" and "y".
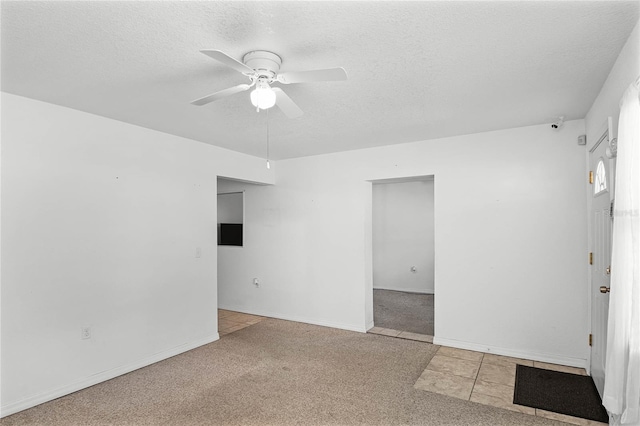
{"x": 268, "y": 164}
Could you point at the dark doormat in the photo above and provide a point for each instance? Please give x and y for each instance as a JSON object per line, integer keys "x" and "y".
{"x": 564, "y": 393}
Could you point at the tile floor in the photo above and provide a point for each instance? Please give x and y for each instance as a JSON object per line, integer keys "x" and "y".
{"x": 230, "y": 321}
{"x": 401, "y": 334}
{"x": 486, "y": 379}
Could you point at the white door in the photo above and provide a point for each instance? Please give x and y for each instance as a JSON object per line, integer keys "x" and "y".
{"x": 601, "y": 252}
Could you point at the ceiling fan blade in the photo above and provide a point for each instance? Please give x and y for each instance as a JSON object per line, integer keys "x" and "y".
{"x": 286, "y": 105}
{"x": 221, "y": 94}
{"x": 228, "y": 61}
{"x": 331, "y": 74}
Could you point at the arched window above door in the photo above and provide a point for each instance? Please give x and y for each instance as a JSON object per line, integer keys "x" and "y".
{"x": 600, "y": 184}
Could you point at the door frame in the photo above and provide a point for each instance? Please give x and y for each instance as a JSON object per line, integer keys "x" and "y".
{"x": 604, "y": 135}
{"x": 368, "y": 222}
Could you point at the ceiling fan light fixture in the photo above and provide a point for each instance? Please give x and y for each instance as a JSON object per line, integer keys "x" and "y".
{"x": 262, "y": 97}
{"x": 262, "y": 68}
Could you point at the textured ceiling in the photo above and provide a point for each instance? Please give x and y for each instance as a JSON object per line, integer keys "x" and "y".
{"x": 417, "y": 70}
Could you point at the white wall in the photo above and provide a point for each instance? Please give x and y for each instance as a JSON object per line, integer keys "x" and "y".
{"x": 510, "y": 240}
{"x": 403, "y": 236}
{"x": 100, "y": 224}
{"x": 624, "y": 72}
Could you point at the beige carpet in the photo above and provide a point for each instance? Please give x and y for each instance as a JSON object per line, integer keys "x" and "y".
{"x": 276, "y": 373}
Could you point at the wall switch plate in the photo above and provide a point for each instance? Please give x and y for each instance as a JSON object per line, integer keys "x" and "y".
{"x": 85, "y": 333}
{"x": 256, "y": 282}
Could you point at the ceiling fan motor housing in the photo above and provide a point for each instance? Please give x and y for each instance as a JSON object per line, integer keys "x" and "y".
{"x": 266, "y": 64}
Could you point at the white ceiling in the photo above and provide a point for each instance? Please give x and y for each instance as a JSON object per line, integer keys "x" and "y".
{"x": 417, "y": 70}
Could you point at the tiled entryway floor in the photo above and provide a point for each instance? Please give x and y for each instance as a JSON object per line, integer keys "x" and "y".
{"x": 486, "y": 379}
{"x": 401, "y": 334}
{"x": 230, "y": 321}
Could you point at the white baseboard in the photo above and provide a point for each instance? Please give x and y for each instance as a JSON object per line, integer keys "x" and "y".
{"x": 370, "y": 325}
{"x": 535, "y": 356}
{"x": 295, "y": 318}
{"x": 407, "y": 290}
{"x": 46, "y": 396}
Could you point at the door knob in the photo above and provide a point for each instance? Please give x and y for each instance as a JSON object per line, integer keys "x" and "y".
{"x": 608, "y": 270}
{"x": 604, "y": 289}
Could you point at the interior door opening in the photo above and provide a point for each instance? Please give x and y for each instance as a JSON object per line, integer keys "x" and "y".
{"x": 235, "y": 306}
{"x": 403, "y": 250}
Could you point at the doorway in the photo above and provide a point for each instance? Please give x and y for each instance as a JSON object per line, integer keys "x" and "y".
{"x": 403, "y": 256}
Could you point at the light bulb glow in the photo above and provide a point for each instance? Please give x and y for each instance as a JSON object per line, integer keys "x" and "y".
{"x": 262, "y": 97}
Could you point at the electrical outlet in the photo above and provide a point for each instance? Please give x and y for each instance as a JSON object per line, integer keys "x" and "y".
{"x": 85, "y": 333}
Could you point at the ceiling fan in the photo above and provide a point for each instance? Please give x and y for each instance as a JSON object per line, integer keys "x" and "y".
{"x": 263, "y": 68}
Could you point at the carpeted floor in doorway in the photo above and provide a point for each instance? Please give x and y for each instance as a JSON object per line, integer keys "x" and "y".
{"x": 275, "y": 373}
{"x": 403, "y": 311}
